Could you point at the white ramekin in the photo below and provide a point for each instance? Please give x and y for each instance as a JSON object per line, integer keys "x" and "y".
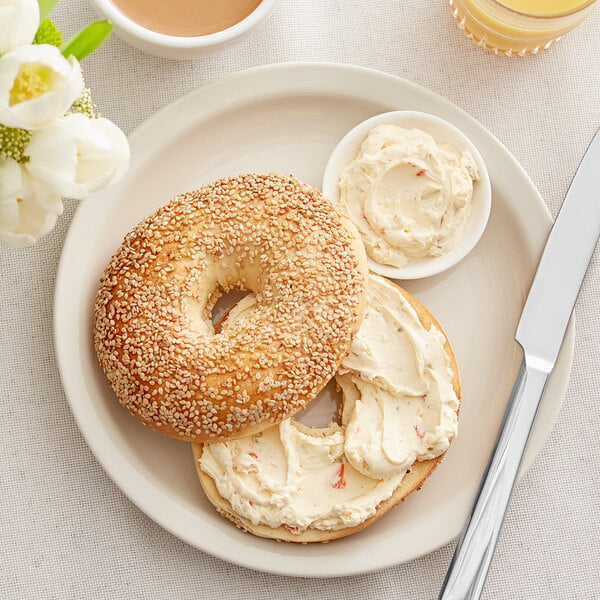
{"x": 442, "y": 131}
{"x": 176, "y": 47}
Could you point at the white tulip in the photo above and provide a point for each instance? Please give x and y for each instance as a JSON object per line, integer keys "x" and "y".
{"x": 37, "y": 85}
{"x": 10, "y": 186}
{"x": 28, "y": 210}
{"x": 19, "y": 20}
{"x": 76, "y": 155}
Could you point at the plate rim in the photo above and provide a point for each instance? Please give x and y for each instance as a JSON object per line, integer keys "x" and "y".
{"x": 276, "y": 71}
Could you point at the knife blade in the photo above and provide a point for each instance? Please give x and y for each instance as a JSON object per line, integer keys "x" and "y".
{"x": 540, "y": 333}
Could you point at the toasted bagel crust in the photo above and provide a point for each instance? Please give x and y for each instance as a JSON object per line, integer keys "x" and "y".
{"x": 272, "y": 235}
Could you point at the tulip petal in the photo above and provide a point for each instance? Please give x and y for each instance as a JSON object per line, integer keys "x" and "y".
{"x": 37, "y": 226}
{"x": 10, "y": 179}
{"x": 34, "y": 220}
{"x": 19, "y": 20}
{"x": 29, "y": 213}
{"x": 10, "y": 186}
{"x": 77, "y": 155}
{"x": 103, "y": 153}
{"x": 9, "y": 215}
{"x": 60, "y": 86}
{"x": 120, "y": 149}
{"x": 48, "y": 200}
{"x": 52, "y": 155}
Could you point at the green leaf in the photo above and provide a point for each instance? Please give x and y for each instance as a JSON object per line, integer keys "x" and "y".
{"x": 47, "y": 34}
{"x": 45, "y": 7}
{"x": 87, "y": 40}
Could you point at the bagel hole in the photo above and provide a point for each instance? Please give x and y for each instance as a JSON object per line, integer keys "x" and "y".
{"x": 324, "y": 409}
{"x": 225, "y": 302}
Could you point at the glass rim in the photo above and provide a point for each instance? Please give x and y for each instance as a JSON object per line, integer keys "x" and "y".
{"x": 565, "y": 13}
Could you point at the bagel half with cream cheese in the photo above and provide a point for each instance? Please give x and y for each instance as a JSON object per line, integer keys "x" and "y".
{"x": 351, "y": 473}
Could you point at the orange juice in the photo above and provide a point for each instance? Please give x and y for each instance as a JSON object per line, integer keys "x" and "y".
{"x": 518, "y": 27}
{"x": 544, "y": 7}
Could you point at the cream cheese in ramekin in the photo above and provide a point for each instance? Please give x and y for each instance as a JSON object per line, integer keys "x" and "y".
{"x": 409, "y": 196}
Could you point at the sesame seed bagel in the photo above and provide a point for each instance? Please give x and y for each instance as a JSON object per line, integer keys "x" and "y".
{"x": 414, "y": 478}
{"x": 281, "y": 240}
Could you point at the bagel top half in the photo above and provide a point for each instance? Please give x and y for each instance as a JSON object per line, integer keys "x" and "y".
{"x": 273, "y": 236}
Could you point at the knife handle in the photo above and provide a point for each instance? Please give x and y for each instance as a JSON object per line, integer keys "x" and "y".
{"x": 467, "y": 572}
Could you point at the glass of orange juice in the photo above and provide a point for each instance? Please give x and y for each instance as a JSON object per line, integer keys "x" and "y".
{"x": 518, "y": 27}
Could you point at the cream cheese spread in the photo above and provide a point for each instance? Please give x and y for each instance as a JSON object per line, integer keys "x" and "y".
{"x": 399, "y": 406}
{"x": 409, "y": 196}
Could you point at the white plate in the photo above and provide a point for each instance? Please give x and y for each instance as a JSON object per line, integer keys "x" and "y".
{"x": 287, "y": 118}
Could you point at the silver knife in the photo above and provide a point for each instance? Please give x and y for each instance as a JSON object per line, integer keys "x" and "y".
{"x": 540, "y": 333}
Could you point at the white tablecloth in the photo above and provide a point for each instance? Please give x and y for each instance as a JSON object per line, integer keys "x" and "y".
{"x": 67, "y": 531}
